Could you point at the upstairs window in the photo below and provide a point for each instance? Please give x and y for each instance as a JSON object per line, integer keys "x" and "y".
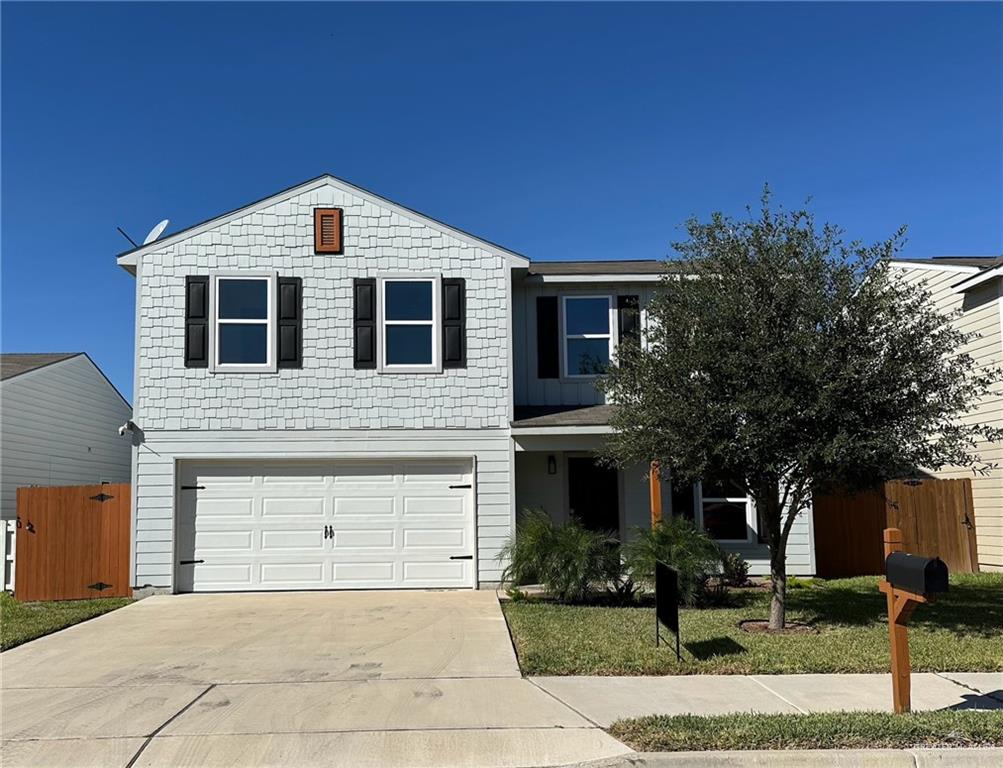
{"x": 410, "y": 321}
{"x": 243, "y": 322}
{"x": 588, "y": 337}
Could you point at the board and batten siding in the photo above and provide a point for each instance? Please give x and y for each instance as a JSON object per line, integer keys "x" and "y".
{"x": 529, "y": 388}
{"x": 59, "y": 426}
{"x": 980, "y": 313}
{"x": 327, "y": 408}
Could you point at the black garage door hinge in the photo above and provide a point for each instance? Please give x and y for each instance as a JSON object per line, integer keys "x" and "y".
{"x": 192, "y": 487}
{"x": 190, "y": 562}
{"x": 468, "y": 485}
{"x": 462, "y": 557}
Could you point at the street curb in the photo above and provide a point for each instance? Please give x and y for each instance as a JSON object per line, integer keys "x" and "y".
{"x": 809, "y": 758}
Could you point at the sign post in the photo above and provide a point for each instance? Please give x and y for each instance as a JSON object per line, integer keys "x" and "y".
{"x": 666, "y": 603}
{"x": 909, "y": 581}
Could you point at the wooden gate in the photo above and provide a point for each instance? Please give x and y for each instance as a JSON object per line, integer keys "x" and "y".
{"x": 936, "y": 518}
{"x": 72, "y": 542}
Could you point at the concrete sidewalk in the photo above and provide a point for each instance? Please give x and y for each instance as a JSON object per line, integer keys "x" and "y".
{"x": 603, "y": 700}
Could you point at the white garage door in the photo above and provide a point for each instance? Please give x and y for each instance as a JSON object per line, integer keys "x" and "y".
{"x": 325, "y": 525}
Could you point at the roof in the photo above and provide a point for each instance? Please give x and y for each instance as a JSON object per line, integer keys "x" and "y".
{"x": 562, "y": 415}
{"x": 979, "y": 262}
{"x": 626, "y": 267}
{"x": 16, "y": 363}
{"x": 129, "y": 258}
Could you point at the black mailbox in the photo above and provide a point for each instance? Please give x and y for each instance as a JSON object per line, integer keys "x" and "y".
{"x": 922, "y": 575}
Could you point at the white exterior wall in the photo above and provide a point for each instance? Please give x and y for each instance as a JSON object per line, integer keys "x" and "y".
{"x": 327, "y": 408}
{"x": 529, "y": 388}
{"x": 59, "y": 426}
{"x": 980, "y": 313}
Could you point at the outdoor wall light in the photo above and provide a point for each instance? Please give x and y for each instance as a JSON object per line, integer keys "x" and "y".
{"x": 551, "y": 465}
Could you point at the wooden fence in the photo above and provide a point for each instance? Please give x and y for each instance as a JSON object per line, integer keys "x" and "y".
{"x": 936, "y": 518}
{"x": 72, "y": 542}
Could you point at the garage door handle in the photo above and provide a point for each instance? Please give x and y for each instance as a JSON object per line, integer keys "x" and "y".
{"x": 468, "y": 485}
{"x": 462, "y": 557}
{"x": 191, "y": 562}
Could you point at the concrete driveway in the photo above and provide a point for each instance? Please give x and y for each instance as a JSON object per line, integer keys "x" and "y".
{"x": 291, "y": 679}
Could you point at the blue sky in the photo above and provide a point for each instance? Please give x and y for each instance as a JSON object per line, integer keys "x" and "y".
{"x": 561, "y": 131}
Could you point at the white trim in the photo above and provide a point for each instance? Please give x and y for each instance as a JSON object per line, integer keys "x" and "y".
{"x": 594, "y": 429}
{"x": 129, "y": 259}
{"x": 610, "y": 334}
{"x": 982, "y": 277}
{"x": 604, "y": 278}
{"x": 905, "y": 264}
{"x": 751, "y": 523}
{"x": 436, "y": 322}
{"x": 270, "y": 277}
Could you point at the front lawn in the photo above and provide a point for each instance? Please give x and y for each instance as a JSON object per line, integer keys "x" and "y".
{"x": 21, "y": 622}
{"x": 830, "y": 730}
{"x": 961, "y": 632}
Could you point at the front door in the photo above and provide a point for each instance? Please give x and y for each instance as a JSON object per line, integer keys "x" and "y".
{"x": 593, "y": 494}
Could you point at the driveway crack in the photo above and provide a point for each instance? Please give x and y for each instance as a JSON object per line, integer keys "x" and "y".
{"x": 166, "y": 723}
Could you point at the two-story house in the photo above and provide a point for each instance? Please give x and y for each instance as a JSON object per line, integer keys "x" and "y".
{"x": 335, "y": 391}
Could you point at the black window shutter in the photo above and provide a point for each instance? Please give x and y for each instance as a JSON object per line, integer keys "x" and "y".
{"x": 548, "y": 343}
{"x": 364, "y": 317}
{"x": 290, "y": 322}
{"x": 629, "y": 319}
{"x": 197, "y": 321}
{"x": 454, "y": 322}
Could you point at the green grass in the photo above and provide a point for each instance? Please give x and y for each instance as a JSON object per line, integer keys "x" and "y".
{"x": 961, "y": 632}
{"x": 830, "y": 730}
{"x": 21, "y": 622}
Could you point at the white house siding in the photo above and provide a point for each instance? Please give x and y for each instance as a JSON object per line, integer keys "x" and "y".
{"x": 980, "y": 308}
{"x": 59, "y": 426}
{"x": 326, "y": 408}
{"x": 529, "y": 388}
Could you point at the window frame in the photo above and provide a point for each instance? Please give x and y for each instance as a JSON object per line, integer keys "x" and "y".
{"x": 611, "y": 336}
{"x": 270, "y": 322}
{"x": 436, "y": 322}
{"x": 751, "y": 520}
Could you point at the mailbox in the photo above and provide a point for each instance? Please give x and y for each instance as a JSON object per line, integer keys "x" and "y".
{"x": 920, "y": 575}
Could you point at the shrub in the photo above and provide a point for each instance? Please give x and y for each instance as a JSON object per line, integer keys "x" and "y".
{"x": 680, "y": 544}
{"x": 569, "y": 560}
{"x": 734, "y": 570}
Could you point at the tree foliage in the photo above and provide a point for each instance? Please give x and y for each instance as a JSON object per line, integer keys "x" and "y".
{"x": 785, "y": 358}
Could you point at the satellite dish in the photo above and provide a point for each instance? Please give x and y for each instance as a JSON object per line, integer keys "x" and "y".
{"x": 156, "y": 232}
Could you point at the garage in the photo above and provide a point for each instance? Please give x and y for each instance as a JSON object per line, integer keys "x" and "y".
{"x": 255, "y": 526}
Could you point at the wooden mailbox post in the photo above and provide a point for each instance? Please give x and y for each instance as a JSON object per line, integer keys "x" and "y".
{"x": 909, "y": 581}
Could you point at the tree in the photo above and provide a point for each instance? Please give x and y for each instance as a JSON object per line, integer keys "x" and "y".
{"x": 784, "y": 359}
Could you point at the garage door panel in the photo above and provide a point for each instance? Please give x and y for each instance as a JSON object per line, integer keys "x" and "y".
{"x": 304, "y": 575}
{"x": 364, "y": 573}
{"x": 364, "y": 538}
{"x": 434, "y": 538}
{"x": 365, "y": 506}
{"x": 433, "y": 505}
{"x": 294, "y": 507}
{"x": 349, "y": 525}
{"x": 307, "y": 539}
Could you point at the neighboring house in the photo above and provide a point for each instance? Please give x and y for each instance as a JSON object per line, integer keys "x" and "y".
{"x": 335, "y": 391}
{"x": 973, "y": 288}
{"x": 59, "y": 420}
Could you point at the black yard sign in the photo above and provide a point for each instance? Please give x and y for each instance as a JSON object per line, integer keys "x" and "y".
{"x": 666, "y": 603}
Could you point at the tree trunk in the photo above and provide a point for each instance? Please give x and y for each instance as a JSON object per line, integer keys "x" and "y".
{"x": 778, "y": 585}
{"x": 769, "y": 497}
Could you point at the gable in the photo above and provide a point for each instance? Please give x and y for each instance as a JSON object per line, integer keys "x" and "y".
{"x": 316, "y": 189}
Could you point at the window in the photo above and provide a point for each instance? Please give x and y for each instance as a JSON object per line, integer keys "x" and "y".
{"x": 588, "y": 337}
{"x": 409, "y": 312}
{"x": 725, "y": 511}
{"x": 243, "y": 333}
